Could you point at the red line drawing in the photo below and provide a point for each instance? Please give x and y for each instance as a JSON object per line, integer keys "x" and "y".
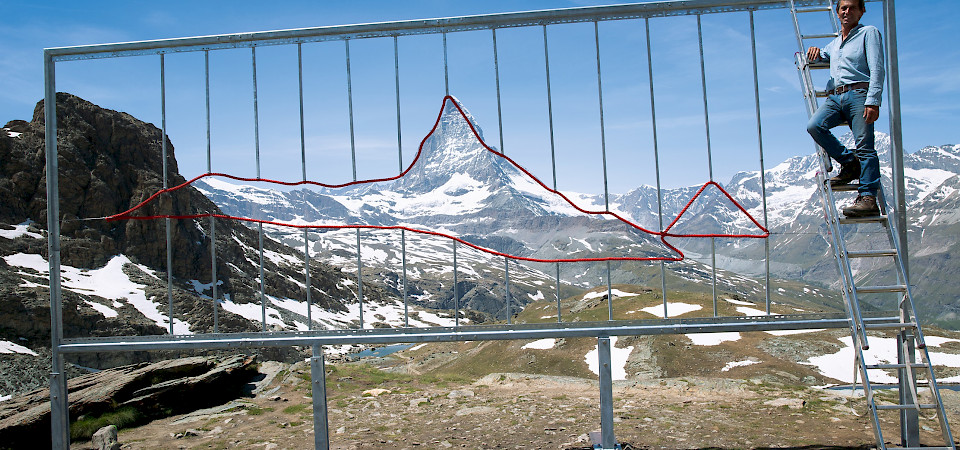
{"x": 126, "y": 215}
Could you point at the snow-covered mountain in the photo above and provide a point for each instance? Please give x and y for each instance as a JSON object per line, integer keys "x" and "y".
{"x": 459, "y": 186}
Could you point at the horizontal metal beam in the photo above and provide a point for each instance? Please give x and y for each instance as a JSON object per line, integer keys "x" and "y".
{"x": 464, "y": 333}
{"x": 420, "y": 26}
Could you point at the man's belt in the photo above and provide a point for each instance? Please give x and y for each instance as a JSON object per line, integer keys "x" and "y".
{"x": 849, "y": 87}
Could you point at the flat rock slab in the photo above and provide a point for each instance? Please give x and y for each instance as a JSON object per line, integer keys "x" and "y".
{"x": 154, "y": 389}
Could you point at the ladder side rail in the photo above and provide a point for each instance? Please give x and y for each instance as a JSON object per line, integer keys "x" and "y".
{"x": 935, "y": 391}
{"x": 907, "y": 297}
{"x": 848, "y": 287}
{"x": 868, "y": 393}
{"x": 892, "y": 232}
{"x": 833, "y": 219}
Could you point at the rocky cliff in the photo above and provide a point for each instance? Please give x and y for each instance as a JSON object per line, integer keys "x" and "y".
{"x": 114, "y": 272}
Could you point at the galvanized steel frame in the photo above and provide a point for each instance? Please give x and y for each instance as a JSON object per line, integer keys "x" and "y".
{"x": 601, "y": 330}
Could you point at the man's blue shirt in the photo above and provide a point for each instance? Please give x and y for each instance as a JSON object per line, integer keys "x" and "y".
{"x": 856, "y": 59}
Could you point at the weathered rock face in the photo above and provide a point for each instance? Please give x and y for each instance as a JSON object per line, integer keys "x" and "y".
{"x": 154, "y": 390}
{"x": 109, "y": 162}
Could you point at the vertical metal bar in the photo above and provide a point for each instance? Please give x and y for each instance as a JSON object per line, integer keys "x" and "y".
{"x": 359, "y": 278}
{"x": 603, "y": 155}
{"x": 909, "y": 418}
{"x": 353, "y": 159}
{"x": 763, "y": 178}
{"x": 163, "y": 145}
{"x": 456, "y": 289}
{"x": 553, "y": 154}
{"x": 403, "y": 233}
{"x": 706, "y": 124}
{"x": 896, "y": 133}
{"x": 506, "y": 270}
{"x": 496, "y": 72}
{"x": 609, "y": 294}
{"x": 318, "y": 384}
{"x": 303, "y": 167}
{"x": 607, "y": 438}
{"x": 656, "y": 159}
{"x": 558, "y": 292}
{"x": 256, "y": 142}
{"x": 59, "y": 403}
{"x": 353, "y": 144}
{"x": 506, "y": 261}
{"x": 406, "y": 295}
{"x": 213, "y": 221}
{"x": 603, "y": 135}
{"x": 446, "y": 72}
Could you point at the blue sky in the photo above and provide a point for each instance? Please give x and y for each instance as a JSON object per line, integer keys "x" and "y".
{"x": 929, "y": 77}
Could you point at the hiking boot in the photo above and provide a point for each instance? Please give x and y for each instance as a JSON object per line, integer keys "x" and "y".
{"x": 848, "y": 173}
{"x": 863, "y": 206}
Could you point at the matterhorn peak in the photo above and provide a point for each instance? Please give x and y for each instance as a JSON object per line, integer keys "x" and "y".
{"x": 454, "y": 147}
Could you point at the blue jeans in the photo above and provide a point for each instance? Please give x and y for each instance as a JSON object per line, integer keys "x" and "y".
{"x": 848, "y": 107}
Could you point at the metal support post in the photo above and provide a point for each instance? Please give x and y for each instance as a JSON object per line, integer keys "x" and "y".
{"x": 896, "y": 134}
{"x": 763, "y": 179}
{"x": 909, "y": 418}
{"x": 656, "y": 160}
{"x": 59, "y": 403}
{"x": 706, "y": 125}
{"x": 318, "y": 381}
{"x": 166, "y": 222}
{"x": 213, "y": 221}
{"x": 506, "y": 288}
{"x": 303, "y": 168}
{"x": 456, "y": 289}
{"x": 607, "y": 438}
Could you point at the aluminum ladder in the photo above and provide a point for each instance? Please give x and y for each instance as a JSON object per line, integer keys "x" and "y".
{"x": 909, "y": 340}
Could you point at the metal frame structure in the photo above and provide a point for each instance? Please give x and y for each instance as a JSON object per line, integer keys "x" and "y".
{"x": 393, "y": 30}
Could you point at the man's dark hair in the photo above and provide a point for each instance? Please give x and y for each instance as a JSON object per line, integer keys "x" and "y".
{"x": 863, "y": 7}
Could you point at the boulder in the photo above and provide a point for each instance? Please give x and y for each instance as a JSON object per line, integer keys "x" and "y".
{"x": 154, "y": 390}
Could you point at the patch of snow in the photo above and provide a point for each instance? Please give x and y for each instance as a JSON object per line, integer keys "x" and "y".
{"x": 10, "y": 347}
{"x": 750, "y": 311}
{"x": 541, "y": 344}
{"x": 711, "y": 339}
{"x": 108, "y": 282}
{"x": 733, "y": 364}
{"x": 615, "y": 292}
{"x": 673, "y": 309}
{"x": 618, "y": 360}
{"x": 4, "y": 398}
{"x": 738, "y": 302}
{"x": 102, "y": 309}
{"x": 417, "y": 347}
{"x": 20, "y": 230}
{"x": 539, "y": 296}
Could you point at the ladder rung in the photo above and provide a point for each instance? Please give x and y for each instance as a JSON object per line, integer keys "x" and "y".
{"x": 887, "y": 326}
{"x": 872, "y": 253}
{"x": 922, "y": 406}
{"x": 881, "y": 289}
{"x": 870, "y": 219}
{"x": 818, "y": 36}
{"x": 844, "y": 187}
{"x": 821, "y": 94}
{"x": 897, "y": 366}
{"x": 818, "y": 65}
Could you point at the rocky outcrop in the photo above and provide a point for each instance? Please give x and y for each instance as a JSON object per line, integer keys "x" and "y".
{"x": 152, "y": 390}
{"x": 109, "y": 162}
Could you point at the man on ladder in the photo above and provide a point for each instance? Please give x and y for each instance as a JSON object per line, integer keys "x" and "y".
{"x": 856, "y": 82}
